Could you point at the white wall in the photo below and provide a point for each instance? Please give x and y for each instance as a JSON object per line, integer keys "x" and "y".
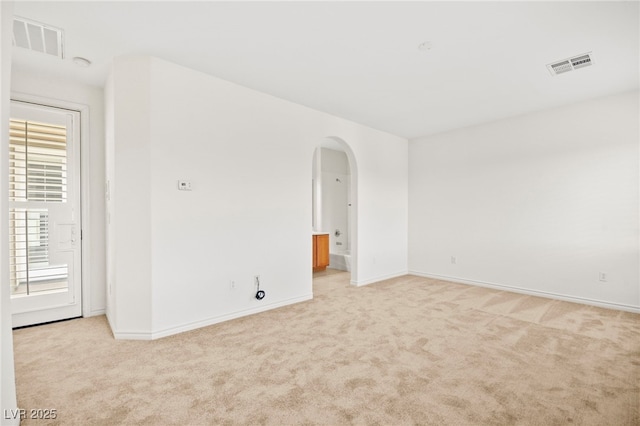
{"x": 540, "y": 203}
{"x": 249, "y": 158}
{"x": 51, "y": 91}
{"x": 8, "y": 403}
{"x": 129, "y": 210}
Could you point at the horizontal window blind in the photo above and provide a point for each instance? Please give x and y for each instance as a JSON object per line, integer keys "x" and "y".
{"x": 37, "y": 162}
{"x": 29, "y": 267}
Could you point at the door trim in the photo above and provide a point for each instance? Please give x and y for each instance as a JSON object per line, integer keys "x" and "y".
{"x": 85, "y": 240}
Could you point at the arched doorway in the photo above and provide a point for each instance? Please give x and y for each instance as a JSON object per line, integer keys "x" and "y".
{"x": 335, "y": 202}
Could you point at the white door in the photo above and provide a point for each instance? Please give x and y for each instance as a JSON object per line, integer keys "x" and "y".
{"x": 44, "y": 214}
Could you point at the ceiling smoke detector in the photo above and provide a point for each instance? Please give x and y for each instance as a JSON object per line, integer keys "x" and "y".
{"x": 570, "y": 64}
{"x": 38, "y": 37}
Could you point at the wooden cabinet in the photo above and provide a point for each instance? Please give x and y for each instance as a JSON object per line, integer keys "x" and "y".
{"x": 320, "y": 252}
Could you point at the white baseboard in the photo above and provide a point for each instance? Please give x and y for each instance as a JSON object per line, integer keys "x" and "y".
{"x": 378, "y": 278}
{"x": 131, "y": 335}
{"x": 227, "y": 317}
{"x": 157, "y": 334}
{"x": 96, "y": 312}
{"x": 127, "y": 335}
{"x": 549, "y": 295}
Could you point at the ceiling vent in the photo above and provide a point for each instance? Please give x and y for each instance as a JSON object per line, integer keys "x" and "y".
{"x": 570, "y": 64}
{"x": 38, "y": 37}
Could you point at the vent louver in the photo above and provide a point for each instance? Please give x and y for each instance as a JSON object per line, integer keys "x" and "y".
{"x": 581, "y": 61}
{"x": 570, "y": 64}
{"x": 38, "y": 37}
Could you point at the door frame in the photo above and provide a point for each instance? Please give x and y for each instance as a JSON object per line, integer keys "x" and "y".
{"x": 84, "y": 146}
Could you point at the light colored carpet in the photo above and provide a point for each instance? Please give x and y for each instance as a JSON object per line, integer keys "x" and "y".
{"x": 405, "y": 351}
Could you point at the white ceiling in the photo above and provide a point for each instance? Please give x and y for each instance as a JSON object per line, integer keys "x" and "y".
{"x": 360, "y": 60}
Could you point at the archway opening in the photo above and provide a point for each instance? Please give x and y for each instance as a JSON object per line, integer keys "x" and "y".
{"x": 334, "y": 201}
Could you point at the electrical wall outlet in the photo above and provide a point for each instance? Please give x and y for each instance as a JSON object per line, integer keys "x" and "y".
{"x": 453, "y": 260}
{"x": 602, "y": 276}
{"x": 232, "y": 284}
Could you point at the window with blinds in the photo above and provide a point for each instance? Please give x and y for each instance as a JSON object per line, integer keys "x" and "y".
{"x": 37, "y": 162}
{"x": 37, "y": 173}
